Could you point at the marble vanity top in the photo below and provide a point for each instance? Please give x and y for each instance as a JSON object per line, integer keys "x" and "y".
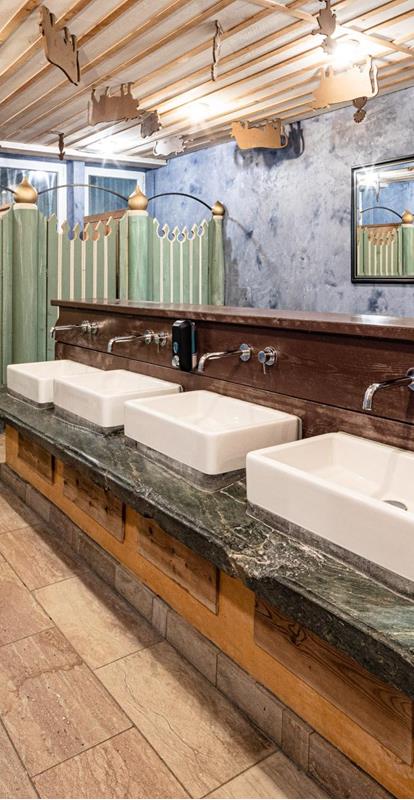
{"x": 346, "y": 608}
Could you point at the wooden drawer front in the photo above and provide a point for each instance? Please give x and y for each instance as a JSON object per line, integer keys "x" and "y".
{"x": 192, "y": 572}
{"x": 36, "y": 457}
{"x": 384, "y": 712}
{"x": 101, "y": 505}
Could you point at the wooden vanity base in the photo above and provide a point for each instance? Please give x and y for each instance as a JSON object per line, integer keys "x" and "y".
{"x": 367, "y": 720}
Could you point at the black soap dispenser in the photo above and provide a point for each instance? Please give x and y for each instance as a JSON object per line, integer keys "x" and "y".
{"x": 184, "y": 345}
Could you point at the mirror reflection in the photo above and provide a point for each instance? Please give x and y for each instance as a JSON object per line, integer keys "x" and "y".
{"x": 383, "y": 222}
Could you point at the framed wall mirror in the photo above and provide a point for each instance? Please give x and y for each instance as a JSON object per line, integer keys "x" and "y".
{"x": 382, "y": 222}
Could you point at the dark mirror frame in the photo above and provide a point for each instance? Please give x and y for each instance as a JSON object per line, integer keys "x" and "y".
{"x": 354, "y": 277}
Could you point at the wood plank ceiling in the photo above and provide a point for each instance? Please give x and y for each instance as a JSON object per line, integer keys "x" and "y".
{"x": 269, "y": 65}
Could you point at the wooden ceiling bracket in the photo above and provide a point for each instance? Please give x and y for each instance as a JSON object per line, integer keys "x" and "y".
{"x": 60, "y": 45}
{"x": 217, "y": 41}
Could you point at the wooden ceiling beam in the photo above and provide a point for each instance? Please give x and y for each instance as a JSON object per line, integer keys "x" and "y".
{"x": 269, "y": 107}
{"x": 165, "y": 68}
{"x": 17, "y": 17}
{"x": 154, "y": 99}
{"x": 282, "y": 9}
{"x": 172, "y": 36}
{"x": 63, "y": 20}
{"x": 122, "y": 8}
{"x": 366, "y": 37}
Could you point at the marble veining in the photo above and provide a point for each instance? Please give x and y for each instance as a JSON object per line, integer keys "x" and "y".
{"x": 348, "y": 609}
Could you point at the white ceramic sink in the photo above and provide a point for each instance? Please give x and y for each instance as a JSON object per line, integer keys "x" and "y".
{"x": 35, "y": 381}
{"x": 99, "y": 398}
{"x": 336, "y": 486}
{"x": 207, "y": 431}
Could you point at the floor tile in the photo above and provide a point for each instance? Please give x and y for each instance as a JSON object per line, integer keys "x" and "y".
{"x": 20, "y": 615}
{"x": 202, "y": 738}
{"x": 14, "y": 782}
{"x": 275, "y": 777}
{"x": 36, "y": 557}
{"x": 125, "y": 767}
{"x": 14, "y": 514}
{"x": 51, "y": 704}
{"x": 97, "y": 621}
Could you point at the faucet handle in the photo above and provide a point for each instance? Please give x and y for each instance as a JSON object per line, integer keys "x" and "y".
{"x": 267, "y": 357}
{"x": 147, "y": 337}
{"x": 246, "y": 352}
{"x": 161, "y": 338}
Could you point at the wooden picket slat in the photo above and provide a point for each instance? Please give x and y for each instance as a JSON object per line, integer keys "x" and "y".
{"x": 111, "y": 247}
{"x": 6, "y": 271}
{"x": 42, "y": 316}
{"x": 54, "y": 266}
{"x": 122, "y": 279}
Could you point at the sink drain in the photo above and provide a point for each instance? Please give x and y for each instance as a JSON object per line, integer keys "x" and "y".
{"x": 397, "y": 504}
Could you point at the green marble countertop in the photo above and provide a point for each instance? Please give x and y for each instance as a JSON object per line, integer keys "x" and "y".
{"x": 346, "y": 608}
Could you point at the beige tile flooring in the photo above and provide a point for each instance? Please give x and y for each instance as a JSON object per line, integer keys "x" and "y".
{"x": 94, "y": 703}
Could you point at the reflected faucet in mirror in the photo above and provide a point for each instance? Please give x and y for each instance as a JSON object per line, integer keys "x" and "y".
{"x": 245, "y": 351}
{"x": 403, "y": 380}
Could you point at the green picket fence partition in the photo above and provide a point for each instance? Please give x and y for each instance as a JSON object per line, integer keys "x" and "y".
{"x": 80, "y": 268}
{"x": 131, "y": 258}
{"x": 385, "y": 254}
{"x": 175, "y": 265}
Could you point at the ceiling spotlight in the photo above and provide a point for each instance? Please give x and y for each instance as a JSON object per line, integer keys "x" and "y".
{"x": 347, "y": 53}
{"x": 198, "y": 112}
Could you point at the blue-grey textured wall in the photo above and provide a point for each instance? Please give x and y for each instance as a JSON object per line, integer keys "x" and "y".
{"x": 288, "y": 222}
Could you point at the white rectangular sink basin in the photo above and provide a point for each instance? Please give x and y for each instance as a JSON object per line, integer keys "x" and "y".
{"x": 99, "y": 398}
{"x": 35, "y": 381}
{"x": 337, "y": 487}
{"x": 206, "y": 431}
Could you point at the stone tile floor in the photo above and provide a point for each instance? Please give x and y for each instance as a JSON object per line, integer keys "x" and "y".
{"x": 93, "y": 701}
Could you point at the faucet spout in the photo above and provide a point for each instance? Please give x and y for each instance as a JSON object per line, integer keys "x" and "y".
{"x": 245, "y": 351}
{"x": 403, "y": 380}
{"x": 147, "y": 337}
{"x": 85, "y": 327}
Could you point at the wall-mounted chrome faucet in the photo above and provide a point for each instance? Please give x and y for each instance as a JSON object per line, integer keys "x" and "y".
{"x": 146, "y": 337}
{"x": 403, "y": 380}
{"x": 84, "y": 327}
{"x": 245, "y": 351}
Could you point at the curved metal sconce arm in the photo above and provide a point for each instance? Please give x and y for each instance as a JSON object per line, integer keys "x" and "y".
{"x": 384, "y": 208}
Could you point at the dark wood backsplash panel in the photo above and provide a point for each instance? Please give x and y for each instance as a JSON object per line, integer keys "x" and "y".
{"x": 319, "y": 376}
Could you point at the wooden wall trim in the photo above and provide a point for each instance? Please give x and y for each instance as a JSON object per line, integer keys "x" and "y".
{"x": 381, "y": 710}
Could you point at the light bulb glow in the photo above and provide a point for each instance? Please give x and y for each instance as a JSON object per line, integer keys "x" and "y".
{"x": 346, "y": 54}
{"x": 199, "y": 111}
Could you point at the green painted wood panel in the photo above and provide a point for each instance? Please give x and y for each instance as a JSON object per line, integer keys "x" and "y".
{"x": 216, "y": 261}
{"x": 123, "y": 258}
{"x": 53, "y": 280}
{"x": 42, "y": 329}
{"x": 76, "y": 264}
{"x": 407, "y": 246}
{"x": 88, "y": 235}
{"x": 24, "y": 298}
{"x": 6, "y": 286}
{"x": 111, "y": 254}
